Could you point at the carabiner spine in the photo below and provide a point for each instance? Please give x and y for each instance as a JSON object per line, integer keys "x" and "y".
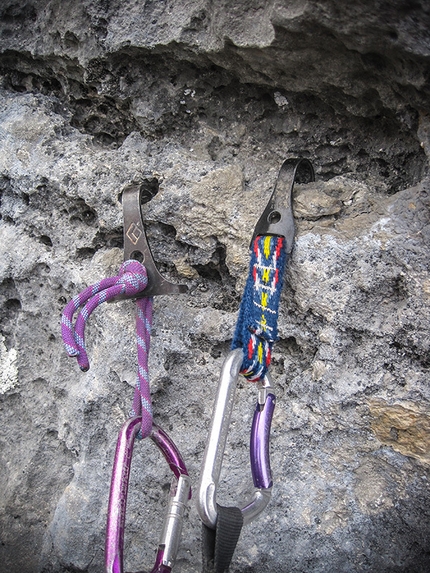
{"x": 215, "y": 446}
{"x": 118, "y": 496}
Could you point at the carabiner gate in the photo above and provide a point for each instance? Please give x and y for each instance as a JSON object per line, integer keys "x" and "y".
{"x": 180, "y": 493}
{"x": 259, "y": 448}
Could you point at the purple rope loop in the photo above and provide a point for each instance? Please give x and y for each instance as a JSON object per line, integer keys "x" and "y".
{"x": 131, "y": 280}
{"x": 142, "y": 405}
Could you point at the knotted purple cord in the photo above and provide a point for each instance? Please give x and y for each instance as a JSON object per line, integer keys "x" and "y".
{"x": 131, "y": 280}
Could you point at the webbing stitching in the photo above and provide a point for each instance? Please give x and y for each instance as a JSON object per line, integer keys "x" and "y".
{"x": 256, "y": 328}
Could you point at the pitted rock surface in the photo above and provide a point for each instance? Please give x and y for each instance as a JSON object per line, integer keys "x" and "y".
{"x": 199, "y": 103}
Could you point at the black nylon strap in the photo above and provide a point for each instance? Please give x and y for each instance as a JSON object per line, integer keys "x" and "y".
{"x": 218, "y": 544}
{"x": 208, "y": 549}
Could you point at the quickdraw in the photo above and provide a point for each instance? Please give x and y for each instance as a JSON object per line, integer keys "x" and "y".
{"x": 256, "y": 332}
{"x": 259, "y": 450}
{"x": 140, "y": 281}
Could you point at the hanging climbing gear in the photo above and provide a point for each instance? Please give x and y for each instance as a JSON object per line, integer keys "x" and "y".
{"x": 219, "y": 545}
{"x": 271, "y": 245}
{"x": 178, "y": 497}
{"x": 139, "y": 280}
{"x": 136, "y": 245}
{"x": 256, "y": 332}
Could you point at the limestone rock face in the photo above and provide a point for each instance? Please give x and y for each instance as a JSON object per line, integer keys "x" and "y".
{"x": 199, "y": 103}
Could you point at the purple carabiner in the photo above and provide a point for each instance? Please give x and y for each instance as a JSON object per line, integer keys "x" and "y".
{"x": 180, "y": 493}
{"x": 259, "y": 447}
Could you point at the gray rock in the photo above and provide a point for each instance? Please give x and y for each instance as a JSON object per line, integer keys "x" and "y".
{"x": 199, "y": 103}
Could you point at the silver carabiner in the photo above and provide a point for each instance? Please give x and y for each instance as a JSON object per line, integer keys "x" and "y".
{"x": 259, "y": 448}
